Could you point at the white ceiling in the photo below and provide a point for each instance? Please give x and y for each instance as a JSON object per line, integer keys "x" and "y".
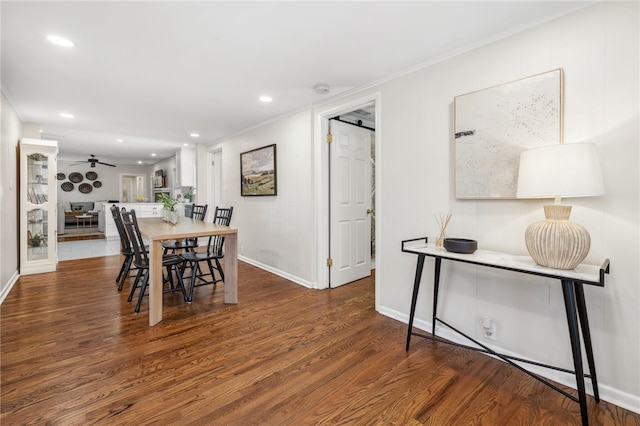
{"x": 151, "y": 73}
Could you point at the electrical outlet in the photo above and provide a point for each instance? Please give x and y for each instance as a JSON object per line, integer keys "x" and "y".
{"x": 490, "y": 333}
{"x": 489, "y": 327}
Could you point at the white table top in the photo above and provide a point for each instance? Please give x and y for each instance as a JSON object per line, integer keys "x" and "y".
{"x": 589, "y": 274}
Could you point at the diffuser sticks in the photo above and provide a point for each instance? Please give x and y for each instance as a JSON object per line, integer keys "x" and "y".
{"x": 443, "y": 221}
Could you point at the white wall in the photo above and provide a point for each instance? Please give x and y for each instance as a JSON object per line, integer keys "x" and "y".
{"x": 11, "y": 126}
{"x": 275, "y": 232}
{"x": 598, "y": 49}
{"x": 109, "y": 176}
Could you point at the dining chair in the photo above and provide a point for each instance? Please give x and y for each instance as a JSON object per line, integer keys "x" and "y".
{"x": 198, "y": 212}
{"x": 213, "y": 253}
{"x": 125, "y": 248}
{"x": 172, "y": 262}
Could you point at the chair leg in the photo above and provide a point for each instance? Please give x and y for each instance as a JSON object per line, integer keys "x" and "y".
{"x": 211, "y": 271}
{"x": 170, "y": 277}
{"x": 219, "y": 268}
{"x": 136, "y": 282}
{"x": 126, "y": 265}
{"x": 194, "y": 267}
{"x": 143, "y": 287}
{"x": 181, "y": 284}
{"x": 122, "y": 268}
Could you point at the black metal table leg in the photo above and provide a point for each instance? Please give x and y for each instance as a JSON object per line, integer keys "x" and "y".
{"x": 414, "y": 298}
{"x": 574, "y": 335}
{"x": 586, "y": 336}
{"x": 436, "y": 287}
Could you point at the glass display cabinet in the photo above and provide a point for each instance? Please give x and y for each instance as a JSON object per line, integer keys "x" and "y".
{"x": 38, "y": 206}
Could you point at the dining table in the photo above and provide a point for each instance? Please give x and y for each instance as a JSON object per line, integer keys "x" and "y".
{"x": 157, "y": 231}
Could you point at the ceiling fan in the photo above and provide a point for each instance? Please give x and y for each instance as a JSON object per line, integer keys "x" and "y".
{"x": 93, "y": 161}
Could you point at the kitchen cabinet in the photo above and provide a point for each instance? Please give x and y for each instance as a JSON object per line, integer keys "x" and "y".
{"x": 185, "y": 167}
{"x": 142, "y": 210}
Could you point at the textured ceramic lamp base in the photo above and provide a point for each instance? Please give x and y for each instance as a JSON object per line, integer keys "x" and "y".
{"x": 556, "y": 242}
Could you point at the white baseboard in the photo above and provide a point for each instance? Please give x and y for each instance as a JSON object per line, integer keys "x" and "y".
{"x": 607, "y": 393}
{"x": 7, "y": 287}
{"x": 278, "y": 272}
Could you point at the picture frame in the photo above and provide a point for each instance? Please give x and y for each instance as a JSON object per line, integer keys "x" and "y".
{"x": 258, "y": 173}
{"x": 493, "y": 126}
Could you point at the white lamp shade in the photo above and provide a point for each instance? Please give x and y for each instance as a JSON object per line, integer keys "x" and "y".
{"x": 564, "y": 170}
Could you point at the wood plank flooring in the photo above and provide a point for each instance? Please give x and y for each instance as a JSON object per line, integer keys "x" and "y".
{"x": 74, "y": 353}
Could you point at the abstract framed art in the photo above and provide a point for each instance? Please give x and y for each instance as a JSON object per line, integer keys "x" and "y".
{"x": 258, "y": 174}
{"x": 494, "y": 125}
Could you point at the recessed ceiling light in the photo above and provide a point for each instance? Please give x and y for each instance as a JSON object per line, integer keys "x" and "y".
{"x": 119, "y": 140}
{"x": 66, "y": 115}
{"x": 139, "y": 162}
{"x": 153, "y": 154}
{"x": 186, "y": 144}
{"x": 194, "y": 135}
{"x": 60, "y": 41}
{"x": 265, "y": 99}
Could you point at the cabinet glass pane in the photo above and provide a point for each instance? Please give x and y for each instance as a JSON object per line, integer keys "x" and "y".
{"x": 37, "y": 234}
{"x": 37, "y": 178}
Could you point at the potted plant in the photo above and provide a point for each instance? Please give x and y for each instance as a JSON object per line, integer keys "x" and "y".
{"x": 169, "y": 211}
{"x": 37, "y": 240}
{"x": 188, "y": 196}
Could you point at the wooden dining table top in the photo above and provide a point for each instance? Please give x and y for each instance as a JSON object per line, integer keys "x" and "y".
{"x": 158, "y": 229}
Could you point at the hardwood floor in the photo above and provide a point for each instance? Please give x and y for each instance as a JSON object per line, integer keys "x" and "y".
{"x": 74, "y": 353}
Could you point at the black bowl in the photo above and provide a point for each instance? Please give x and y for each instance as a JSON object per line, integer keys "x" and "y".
{"x": 460, "y": 245}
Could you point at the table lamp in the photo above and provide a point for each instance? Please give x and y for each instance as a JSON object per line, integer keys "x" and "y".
{"x": 556, "y": 171}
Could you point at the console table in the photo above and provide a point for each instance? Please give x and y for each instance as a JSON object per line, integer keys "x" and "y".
{"x": 572, "y": 289}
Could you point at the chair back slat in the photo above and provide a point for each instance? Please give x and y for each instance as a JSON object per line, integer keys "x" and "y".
{"x": 130, "y": 223}
{"x": 221, "y": 216}
{"x": 199, "y": 212}
{"x": 125, "y": 244}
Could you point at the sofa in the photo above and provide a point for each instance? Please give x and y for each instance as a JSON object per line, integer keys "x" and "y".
{"x": 68, "y": 210}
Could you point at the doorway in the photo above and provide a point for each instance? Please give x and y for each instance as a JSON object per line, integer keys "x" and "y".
{"x": 369, "y": 104}
{"x": 214, "y": 180}
{"x": 133, "y": 187}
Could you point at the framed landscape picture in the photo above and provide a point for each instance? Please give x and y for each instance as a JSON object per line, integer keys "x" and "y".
{"x": 258, "y": 175}
{"x": 494, "y": 125}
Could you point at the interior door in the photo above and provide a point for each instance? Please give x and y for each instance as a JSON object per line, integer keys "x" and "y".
{"x": 350, "y": 187}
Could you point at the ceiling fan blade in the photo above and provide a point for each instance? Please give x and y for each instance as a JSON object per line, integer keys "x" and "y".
{"x": 105, "y": 164}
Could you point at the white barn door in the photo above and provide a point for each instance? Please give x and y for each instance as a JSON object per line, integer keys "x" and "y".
{"x": 350, "y": 191}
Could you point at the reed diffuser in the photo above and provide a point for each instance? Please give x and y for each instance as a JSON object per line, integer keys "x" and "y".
{"x": 443, "y": 222}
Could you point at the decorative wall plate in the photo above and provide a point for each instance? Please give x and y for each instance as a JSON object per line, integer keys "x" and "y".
{"x": 91, "y": 175}
{"x": 61, "y": 176}
{"x": 67, "y": 186}
{"x": 97, "y": 184}
{"x": 85, "y": 188}
{"x": 75, "y": 177}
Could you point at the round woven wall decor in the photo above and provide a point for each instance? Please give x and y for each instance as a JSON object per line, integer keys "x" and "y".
{"x": 97, "y": 184}
{"x": 75, "y": 177}
{"x": 67, "y": 186}
{"x": 61, "y": 176}
{"x": 91, "y": 175}
{"x": 85, "y": 188}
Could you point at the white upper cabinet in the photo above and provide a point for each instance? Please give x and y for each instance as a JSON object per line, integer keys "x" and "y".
{"x": 185, "y": 167}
